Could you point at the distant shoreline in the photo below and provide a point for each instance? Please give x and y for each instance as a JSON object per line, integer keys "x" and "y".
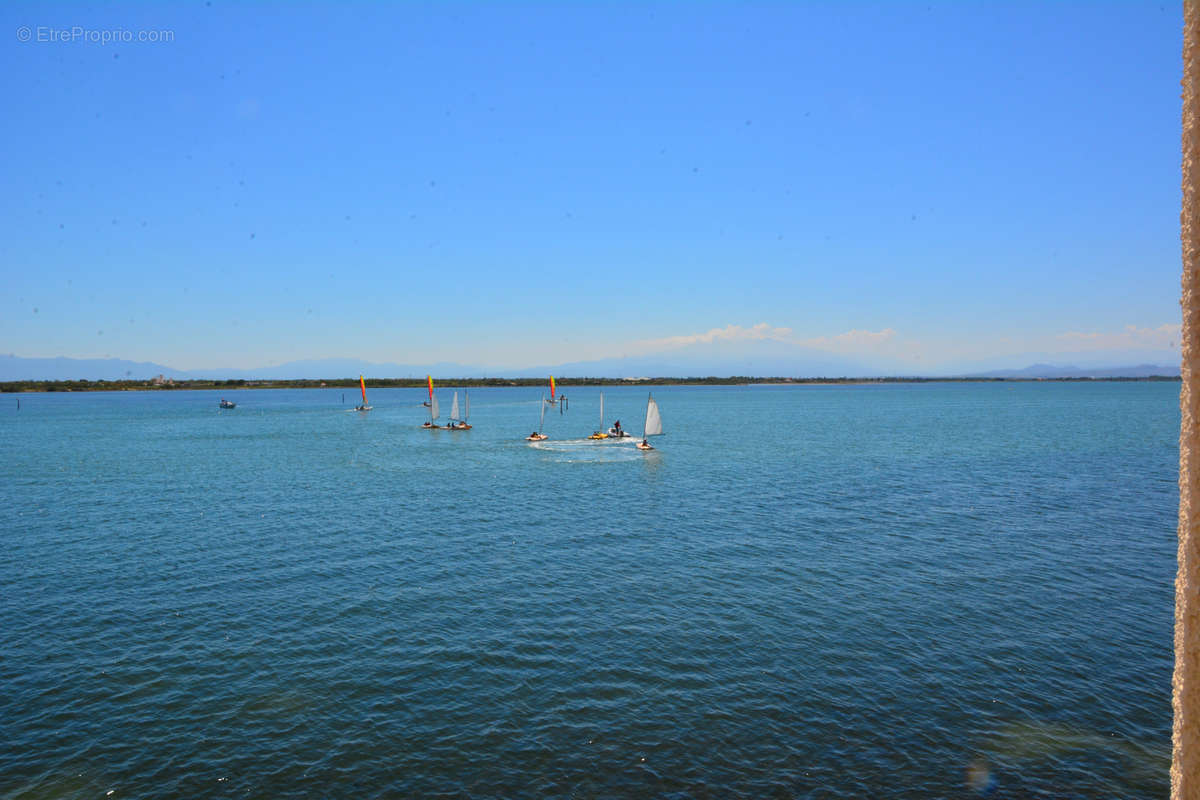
{"x": 418, "y": 383}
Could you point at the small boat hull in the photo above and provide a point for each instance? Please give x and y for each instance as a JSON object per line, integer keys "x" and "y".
{"x": 536, "y": 437}
{"x": 228, "y": 404}
{"x": 598, "y": 436}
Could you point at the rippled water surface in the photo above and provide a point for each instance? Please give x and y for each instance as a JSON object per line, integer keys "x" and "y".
{"x": 903, "y": 591}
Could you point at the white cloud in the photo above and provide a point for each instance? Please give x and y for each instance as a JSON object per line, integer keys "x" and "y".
{"x": 730, "y": 333}
{"x": 1129, "y": 338}
{"x": 852, "y": 341}
{"x": 946, "y": 350}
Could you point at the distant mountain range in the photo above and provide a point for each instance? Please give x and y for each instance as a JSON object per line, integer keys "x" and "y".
{"x": 763, "y": 358}
{"x": 1052, "y": 371}
{"x": 681, "y": 363}
{"x": 15, "y": 368}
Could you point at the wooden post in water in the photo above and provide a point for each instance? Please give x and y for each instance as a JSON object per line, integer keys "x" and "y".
{"x": 1185, "y": 739}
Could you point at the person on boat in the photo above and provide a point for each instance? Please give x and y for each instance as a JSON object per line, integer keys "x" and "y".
{"x": 644, "y": 442}
{"x": 617, "y": 426}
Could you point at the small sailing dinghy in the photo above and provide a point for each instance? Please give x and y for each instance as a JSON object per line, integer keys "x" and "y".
{"x": 227, "y": 403}
{"x": 599, "y": 432}
{"x": 537, "y": 435}
{"x": 560, "y": 400}
{"x": 434, "y": 411}
{"x": 364, "y": 406}
{"x": 458, "y": 423}
{"x": 653, "y": 426}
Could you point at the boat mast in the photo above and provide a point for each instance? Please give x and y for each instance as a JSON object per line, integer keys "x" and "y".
{"x": 646, "y": 421}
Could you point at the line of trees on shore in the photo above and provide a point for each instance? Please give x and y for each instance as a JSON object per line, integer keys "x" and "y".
{"x": 413, "y": 383}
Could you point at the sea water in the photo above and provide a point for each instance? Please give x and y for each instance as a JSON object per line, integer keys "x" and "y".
{"x": 900, "y": 591}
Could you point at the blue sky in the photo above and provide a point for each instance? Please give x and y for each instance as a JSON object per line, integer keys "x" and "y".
{"x": 933, "y": 184}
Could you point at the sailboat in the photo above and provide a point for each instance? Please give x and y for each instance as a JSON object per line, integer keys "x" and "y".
{"x": 434, "y": 412}
{"x": 560, "y": 401}
{"x": 599, "y": 432}
{"x": 653, "y": 426}
{"x": 364, "y": 406}
{"x": 459, "y": 423}
{"x": 537, "y": 435}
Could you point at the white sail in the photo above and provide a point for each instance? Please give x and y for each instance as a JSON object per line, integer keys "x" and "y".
{"x": 601, "y": 412}
{"x": 454, "y": 407}
{"x": 653, "y": 420}
{"x": 542, "y": 418}
{"x": 467, "y": 399}
{"x": 434, "y": 412}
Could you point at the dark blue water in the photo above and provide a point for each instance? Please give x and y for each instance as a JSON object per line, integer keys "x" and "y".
{"x": 846, "y": 591}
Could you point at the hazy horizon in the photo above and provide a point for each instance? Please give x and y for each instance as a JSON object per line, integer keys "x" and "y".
{"x": 16, "y": 369}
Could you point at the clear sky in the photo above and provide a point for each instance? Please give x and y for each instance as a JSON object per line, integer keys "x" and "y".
{"x": 516, "y": 184}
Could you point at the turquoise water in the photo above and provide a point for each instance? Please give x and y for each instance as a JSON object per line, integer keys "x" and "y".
{"x": 902, "y": 591}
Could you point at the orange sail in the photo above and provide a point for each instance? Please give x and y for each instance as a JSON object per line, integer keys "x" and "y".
{"x": 551, "y": 388}
{"x": 430, "y": 377}
{"x": 364, "y": 388}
